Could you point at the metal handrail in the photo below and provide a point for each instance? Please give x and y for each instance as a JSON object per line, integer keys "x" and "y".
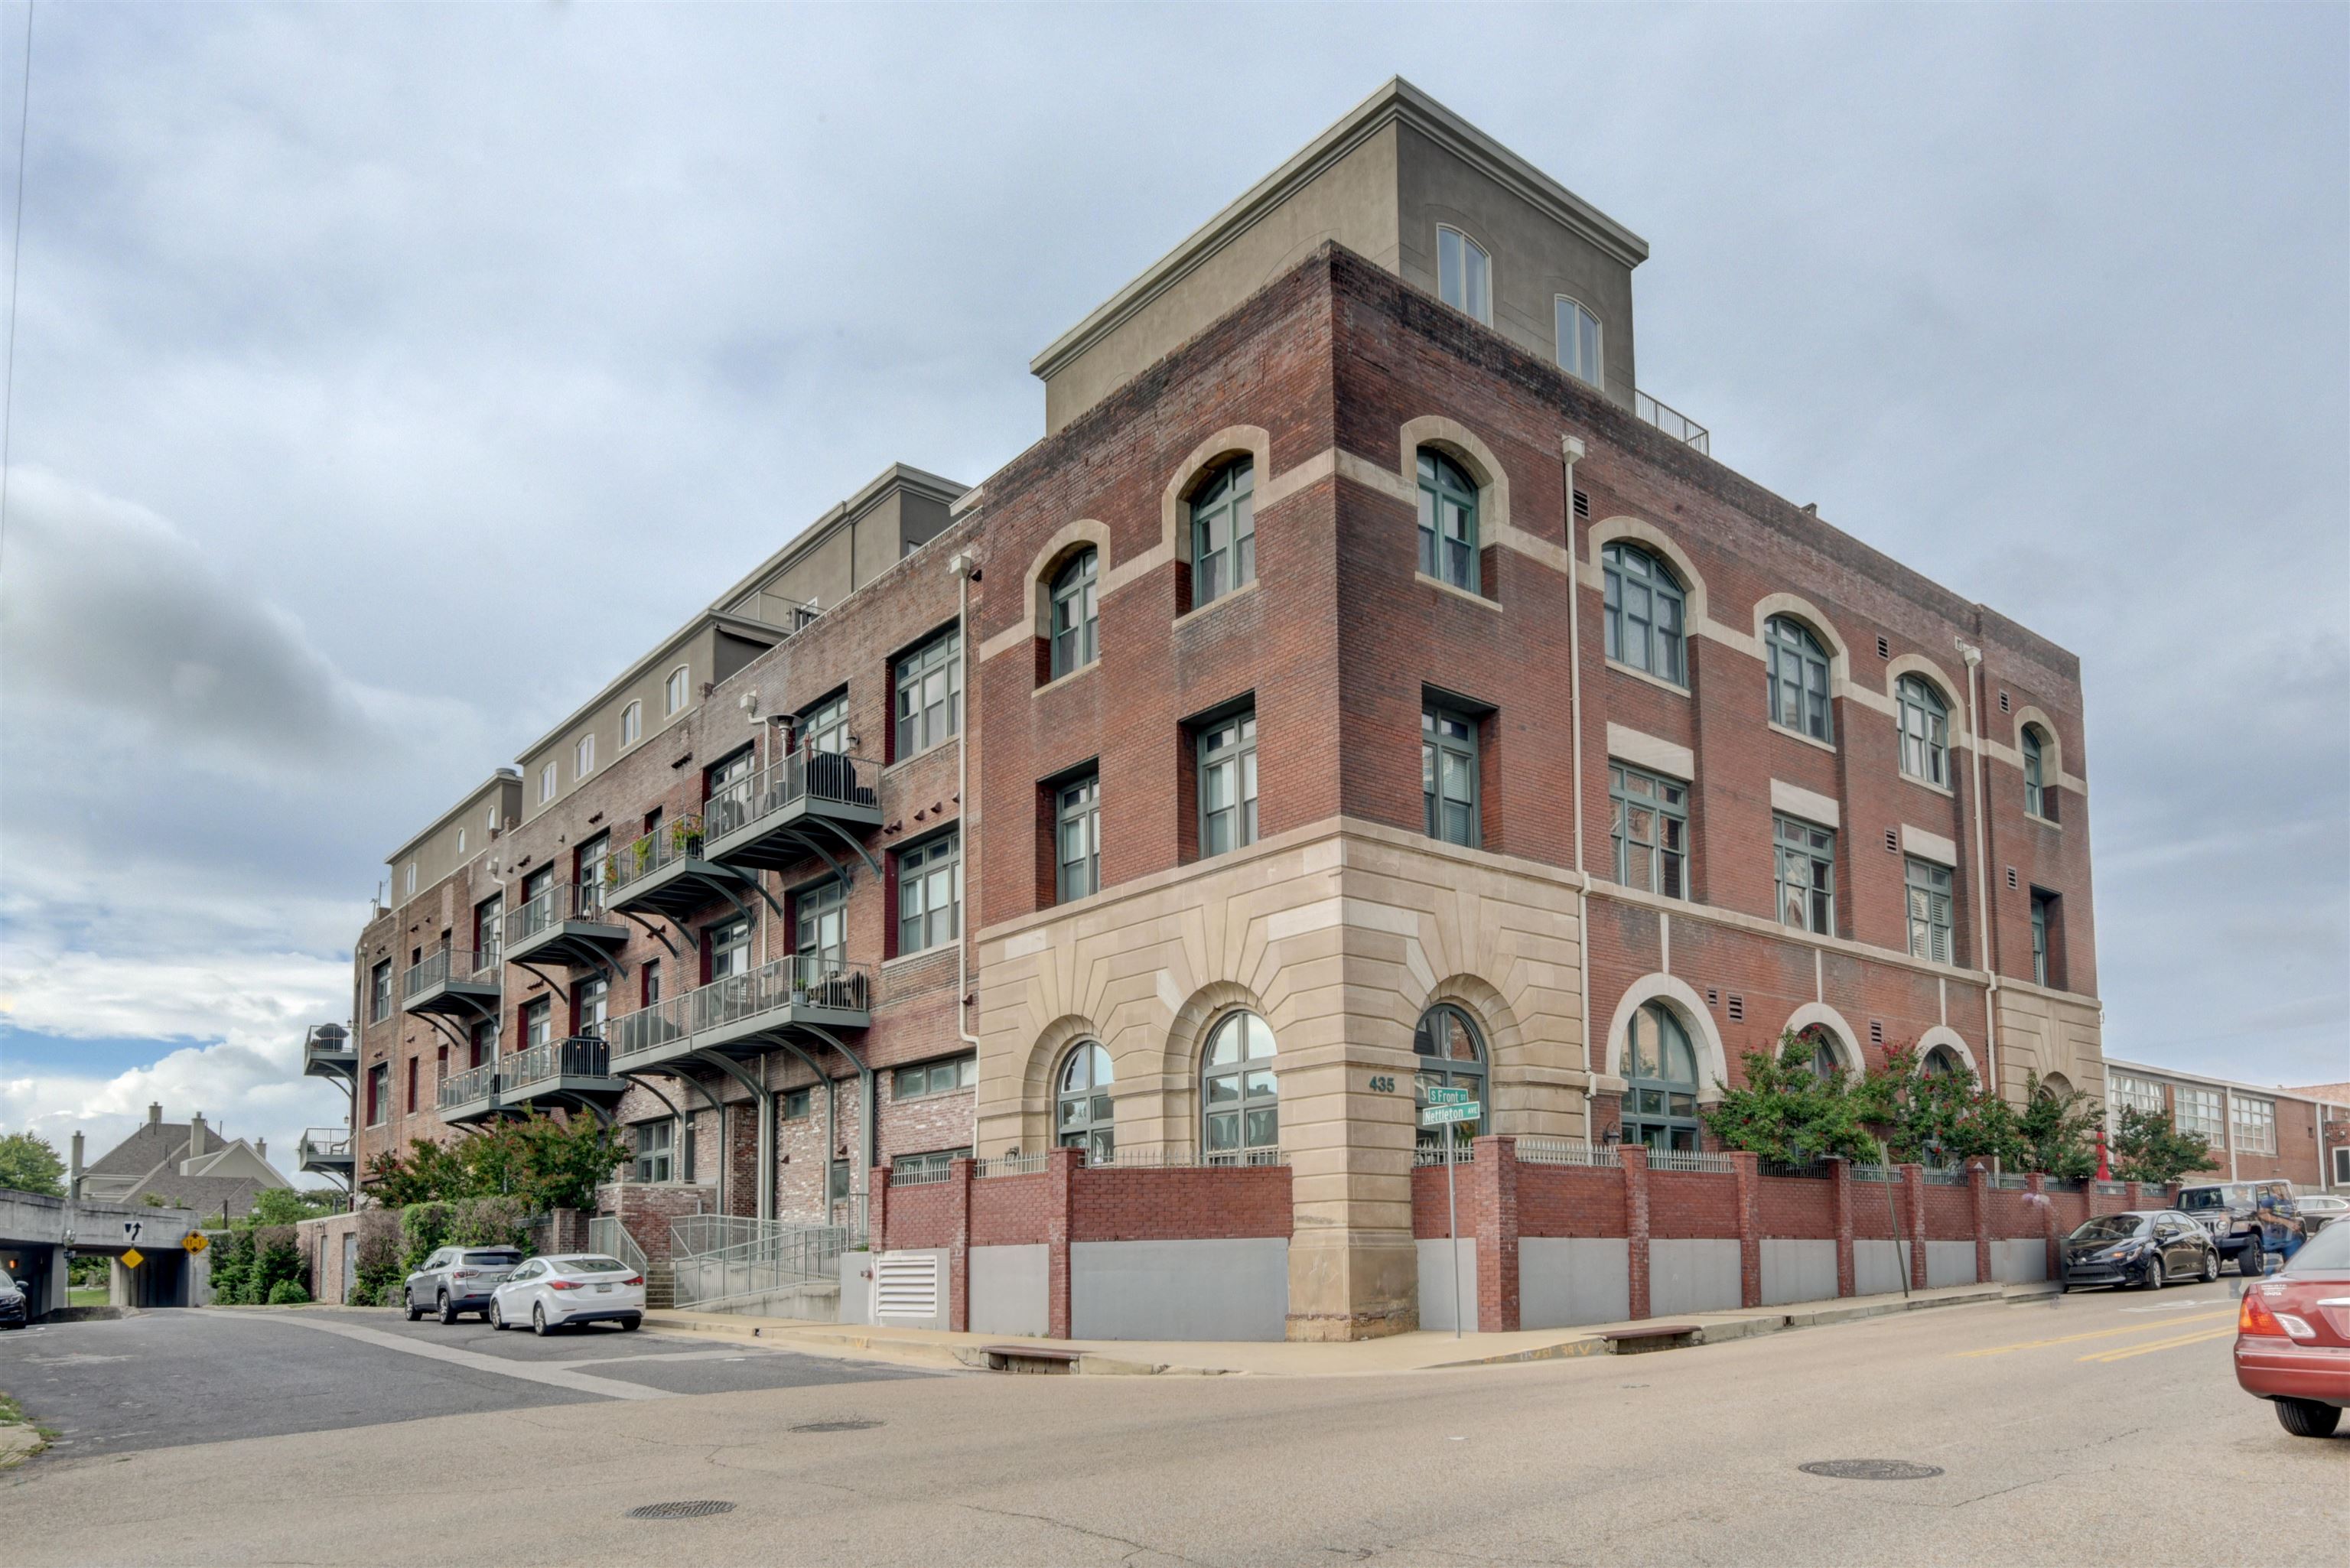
{"x": 606, "y": 1235}
{"x": 1010, "y": 1165}
{"x": 474, "y": 1084}
{"x": 802, "y": 980}
{"x": 1565, "y": 1151}
{"x": 664, "y": 847}
{"x": 328, "y": 1040}
{"x": 563, "y": 901}
{"x": 801, "y": 776}
{"x": 650, "y": 1027}
{"x": 449, "y": 963}
{"x": 1671, "y": 421}
{"x": 328, "y": 1143}
{"x": 929, "y": 1173}
{"x": 720, "y": 1258}
{"x": 1690, "y": 1160}
{"x": 578, "y": 1056}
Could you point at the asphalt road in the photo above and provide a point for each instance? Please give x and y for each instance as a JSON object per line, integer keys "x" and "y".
{"x": 2105, "y": 1427}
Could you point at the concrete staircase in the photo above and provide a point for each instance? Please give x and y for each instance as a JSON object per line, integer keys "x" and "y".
{"x": 661, "y": 1286}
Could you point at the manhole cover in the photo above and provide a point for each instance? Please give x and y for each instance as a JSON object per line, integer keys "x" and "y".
{"x": 679, "y": 1509}
{"x": 851, "y": 1425}
{"x": 1870, "y": 1470}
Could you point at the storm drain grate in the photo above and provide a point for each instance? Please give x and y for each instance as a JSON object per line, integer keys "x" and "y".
{"x": 1870, "y": 1470}
{"x": 701, "y": 1509}
{"x": 848, "y": 1426}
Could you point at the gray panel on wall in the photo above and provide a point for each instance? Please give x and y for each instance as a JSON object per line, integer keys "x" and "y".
{"x": 1693, "y": 1276}
{"x": 855, "y": 1290}
{"x": 1180, "y": 1290}
{"x": 1876, "y": 1268}
{"x": 936, "y": 1286}
{"x": 1950, "y": 1263}
{"x": 1566, "y": 1280}
{"x": 2019, "y": 1262}
{"x": 1796, "y": 1271}
{"x": 1436, "y": 1284}
{"x": 1011, "y": 1290}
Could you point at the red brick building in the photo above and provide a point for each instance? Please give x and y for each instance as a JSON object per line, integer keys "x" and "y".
{"x": 1364, "y": 684}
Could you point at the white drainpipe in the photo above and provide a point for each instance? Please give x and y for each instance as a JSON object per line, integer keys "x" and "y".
{"x": 1571, "y": 452}
{"x": 1973, "y": 656}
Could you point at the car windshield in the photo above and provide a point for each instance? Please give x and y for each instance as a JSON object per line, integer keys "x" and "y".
{"x": 2110, "y": 1228}
{"x": 2325, "y": 1253}
{"x": 591, "y": 1265}
{"x": 2203, "y": 1198}
{"x": 493, "y": 1260}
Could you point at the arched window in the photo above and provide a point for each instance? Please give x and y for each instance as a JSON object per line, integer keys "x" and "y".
{"x": 1578, "y": 341}
{"x": 1076, "y": 615}
{"x": 1450, "y": 1056}
{"x": 2037, "y": 801}
{"x": 1240, "y": 1099}
{"x": 1447, "y": 521}
{"x": 1082, "y": 1111}
{"x": 1925, "y": 731}
{"x": 1464, "y": 274}
{"x": 1799, "y": 678}
{"x": 1660, "y": 1081}
{"x": 1645, "y": 611}
{"x": 1816, "y": 1049}
{"x": 632, "y": 730}
{"x": 1941, "y": 1062}
{"x": 1223, "y": 533}
{"x": 673, "y": 690}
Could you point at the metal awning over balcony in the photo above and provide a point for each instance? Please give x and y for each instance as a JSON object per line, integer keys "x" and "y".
{"x": 324, "y": 1150}
{"x": 815, "y": 804}
{"x": 470, "y": 1096}
{"x": 668, "y": 872}
{"x": 744, "y": 1014}
{"x": 328, "y": 1052}
{"x": 566, "y": 925}
{"x": 455, "y": 980}
{"x": 571, "y": 1073}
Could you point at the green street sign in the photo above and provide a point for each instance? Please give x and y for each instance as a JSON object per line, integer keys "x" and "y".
{"x": 1450, "y": 1097}
{"x": 1436, "y": 1115}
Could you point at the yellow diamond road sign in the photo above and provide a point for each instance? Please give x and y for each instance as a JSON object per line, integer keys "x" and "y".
{"x": 194, "y": 1242}
{"x": 133, "y": 1258}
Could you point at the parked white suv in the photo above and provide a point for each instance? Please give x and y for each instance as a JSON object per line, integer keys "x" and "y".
{"x": 554, "y": 1293}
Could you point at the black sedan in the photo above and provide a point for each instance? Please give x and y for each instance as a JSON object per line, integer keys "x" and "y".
{"x": 2148, "y": 1247}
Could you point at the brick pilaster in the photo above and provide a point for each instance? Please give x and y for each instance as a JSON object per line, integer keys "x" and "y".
{"x": 1840, "y": 1186}
{"x": 1747, "y": 1168}
{"x": 1913, "y": 1220}
{"x": 1493, "y": 1187}
{"x": 2135, "y": 1197}
{"x": 1062, "y": 1169}
{"x": 877, "y": 1208}
{"x": 1635, "y": 1158}
{"x": 959, "y": 1177}
{"x": 1979, "y": 1193}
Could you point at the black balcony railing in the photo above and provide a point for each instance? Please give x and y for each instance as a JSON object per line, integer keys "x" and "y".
{"x": 449, "y": 964}
{"x": 580, "y": 1056}
{"x": 810, "y": 779}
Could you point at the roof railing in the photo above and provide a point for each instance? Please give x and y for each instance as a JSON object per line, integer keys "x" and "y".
{"x": 1672, "y": 422}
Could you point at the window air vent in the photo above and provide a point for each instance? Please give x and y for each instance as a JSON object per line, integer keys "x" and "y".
{"x": 1713, "y": 997}
{"x": 2002, "y": 702}
{"x": 2011, "y": 879}
{"x": 1877, "y": 1031}
{"x": 1884, "y": 648}
{"x": 1582, "y": 504}
{"x": 1892, "y": 841}
{"x": 1737, "y": 1008}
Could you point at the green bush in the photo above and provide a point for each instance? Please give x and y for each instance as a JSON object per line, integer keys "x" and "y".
{"x": 377, "y": 1260}
{"x": 288, "y": 1293}
{"x": 276, "y": 1260}
{"x": 2147, "y": 1147}
{"x": 233, "y": 1259}
{"x": 489, "y": 1222}
{"x": 545, "y": 1163}
{"x": 424, "y": 1227}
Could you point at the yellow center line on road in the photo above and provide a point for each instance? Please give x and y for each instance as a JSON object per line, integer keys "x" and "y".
{"x": 2151, "y": 1325}
{"x": 2123, "y": 1353}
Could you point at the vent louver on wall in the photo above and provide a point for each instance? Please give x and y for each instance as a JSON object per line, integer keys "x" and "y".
{"x": 906, "y": 1284}
{"x": 1877, "y": 1031}
{"x": 1884, "y": 648}
{"x": 1582, "y": 504}
{"x": 1892, "y": 841}
{"x": 1737, "y": 1008}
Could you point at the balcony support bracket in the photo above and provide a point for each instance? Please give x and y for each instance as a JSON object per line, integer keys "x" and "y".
{"x": 871, "y": 1120}
{"x": 846, "y": 837}
{"x": 654, "y": 932}
{"x": 445, "y": 1031}
{"x": 765, "y": 1098}
{"x": 560, "y": 987}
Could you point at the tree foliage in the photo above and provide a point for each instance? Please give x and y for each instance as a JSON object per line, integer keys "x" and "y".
{"x": 29, "y": 1163}
{"x": 2148, "y": 1147}
{"x": 289, "y": 1205}
{"x": 1784, "y": 1111}
{"x": 543, "y": 1163}
{"x": 2057, "y": 1130}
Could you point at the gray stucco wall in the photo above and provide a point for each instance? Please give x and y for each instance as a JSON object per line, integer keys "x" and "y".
{"x": 2019, "y": 1262}
{"x": 1794, "y": 1271}
{"x": 1566, "y": 1280}
{"x": 1180, "y": 1290}
{"x": 1950, "y": 1263}
{"x": 1010, "y": 1289}
{"x": 1436, "y": 1284}
{"x": 1693, "y": 1276}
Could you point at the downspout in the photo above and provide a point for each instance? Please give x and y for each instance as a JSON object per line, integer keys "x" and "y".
{"x": 966, "y": 571}
{"x": 1973, "y": 656}
{"x": 1571, "y": 452}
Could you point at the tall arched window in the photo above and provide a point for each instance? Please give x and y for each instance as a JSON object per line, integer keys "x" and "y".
{"x": 1646, "y": 614}
{"x": 1816, "y": 1049}
{"x": 1578, "y": 341}
{"x": 2037, "y": 801}
{"x": 1449, "y": 1056}
{"x": 1925, "y": 731}
{"x": 1660, "y": 1081}
{"x": 1447, "y": 521}
{"x": 1464, "y": 273}
{"x": 1082, "y": 1110}
{"x": 1240, "y": 1098}
{"x": 1941, "y": 1062}
{"x": 1076, "y": 615}
{"x": 1799, "y": 678}
{"x": 1223, "y": 533}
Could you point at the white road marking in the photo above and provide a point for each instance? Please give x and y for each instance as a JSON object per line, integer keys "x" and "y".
{"x": 554, "y": 1375}
{"x": 665, "y": 1358}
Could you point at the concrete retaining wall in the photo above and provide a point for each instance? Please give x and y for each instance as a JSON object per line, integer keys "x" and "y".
{"x": 1235, "y": 1289}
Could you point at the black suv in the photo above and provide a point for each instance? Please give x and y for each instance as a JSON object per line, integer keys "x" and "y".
{"x": 2248, "y": 1220}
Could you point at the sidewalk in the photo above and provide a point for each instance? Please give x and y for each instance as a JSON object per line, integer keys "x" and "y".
{"x": 1421, "y": 1352}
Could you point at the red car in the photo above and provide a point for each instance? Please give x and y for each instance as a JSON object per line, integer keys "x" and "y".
{"x": 2292, "y": 1336}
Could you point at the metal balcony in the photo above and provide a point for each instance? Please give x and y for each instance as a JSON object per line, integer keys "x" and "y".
{"x": 470, "y": 1096}
{"x": 670, "y": 873}
{"x": 566, "y": 925}
{"x": 324, "y": 1150}
{"x": 744, "y": 1012}
{"x": 651, "y": 1036}
{"x": 810, "y": 804}
{"x": 1672, "y": 422}
{"x": 328, "y": 1052}
{"x": 567, "y": 1072}
{"x": 455, "y": 980}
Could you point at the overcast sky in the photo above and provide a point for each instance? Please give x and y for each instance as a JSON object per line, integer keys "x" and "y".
{"x": 386, "y": 377}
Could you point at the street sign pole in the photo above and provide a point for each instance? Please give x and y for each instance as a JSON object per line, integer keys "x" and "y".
{"x": 1452, "y": 1220}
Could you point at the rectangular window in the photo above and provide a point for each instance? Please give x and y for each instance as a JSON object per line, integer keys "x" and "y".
{"x": 415, "y": 1064}
{"x": 934, "y": 1078}
{"x": 488, "y": 919}
{"x": 930, "y": 894}
{"x": 537, "y": 1022}
{"x": 729, "y": 947}
{"x": 1578, "y": 341}
{"x": 1648, "y": 820}
{"x": 1228, "y": 783}
{"x": 648, "y": 983}
{"x": 2137, "y": 1094}
{"x": 1076, "y": 838}
{"x": 653, "y": 1150}
{"x": 587, "y": 869}
{"x": 379, "y": 992}
{"x": 1806, "y": 874}
{"x": 820, "y": 926}
{"x": 836, "y": 1189}
{"x": 2197, "y": 1111}
{"x": 1447, "y": 774}
{"x": 930, "y": 694}
{"x": 825, "y": 727}
{"x": 796, "y": 1103}
{"x": 2255, "y": 1125}
{"x": 1464, "y": 274}
{"x": 930, "y": 1166}
{"x": 1930, "y": 911}
{"x": 591, "y": 1001}
{"x": 483, "y": 1043}
{"x": 727, "y": 770}
{"x": 2043, "y": 915}
{"x": 378, "y": 1094}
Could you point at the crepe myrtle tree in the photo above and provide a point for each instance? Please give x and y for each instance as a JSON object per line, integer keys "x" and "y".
{"x": 538, "y": 1160}
{"x": 2148, "y": 1147}
{"x": 1786, "y": 1111}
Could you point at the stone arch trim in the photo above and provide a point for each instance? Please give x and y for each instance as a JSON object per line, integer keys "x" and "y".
{"x": 1953, "y": 692}
{"x": 1234, "y": 440}
{"x": 1045, "y": 1054}
{"x": 1848, "y": 1044}
{"x": 1797, "y": 608}
{"x": 2053, "y": 752}
{"x": 1620, "y": 530}
{"x": 1464, "y": 446}
{"x": 1187, "y": 1039}
{"x": 1943, "y": 1034}
{"x": 1713, "y": 1062}
{"x": 1496, "y": 1021}
{"x": 1074, "y": 536}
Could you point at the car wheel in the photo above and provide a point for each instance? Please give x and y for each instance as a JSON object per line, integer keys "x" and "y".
{"x": 497, "y": 1319}
{"x": 538, "y": 1321}
{"x": 2250, "y": 1263}
{"x": 448, "y": 1313}
{"x": 2211, "y": 1264}
{"x": 2156, "y": 1274}
{"x": 2307, "y": 1418}
{"x": 414, "y": 1312}
{"x": 629, "y": 1323}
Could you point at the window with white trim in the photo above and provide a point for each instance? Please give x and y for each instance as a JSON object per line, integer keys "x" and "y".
{"x": 583, "y": 756}
{"x": 2255, "y": 1122}
{"x": 1649, "y": 826}
{"x": 1928, "y": 892}
{"x": 1806, "y": 872}
{"x": 1645, "y": 606}
{"x": 676, "y": 690}
{"x": 547, "y": 783}
{"x": 2196, "y": 1110}
{"x": 1925, "y": 723}
{"x": 632, "y": 729}
{"x": 1464, "y": 274}
{"x": 2140, "y": 1094}
{"x": 1578, "y": 341}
